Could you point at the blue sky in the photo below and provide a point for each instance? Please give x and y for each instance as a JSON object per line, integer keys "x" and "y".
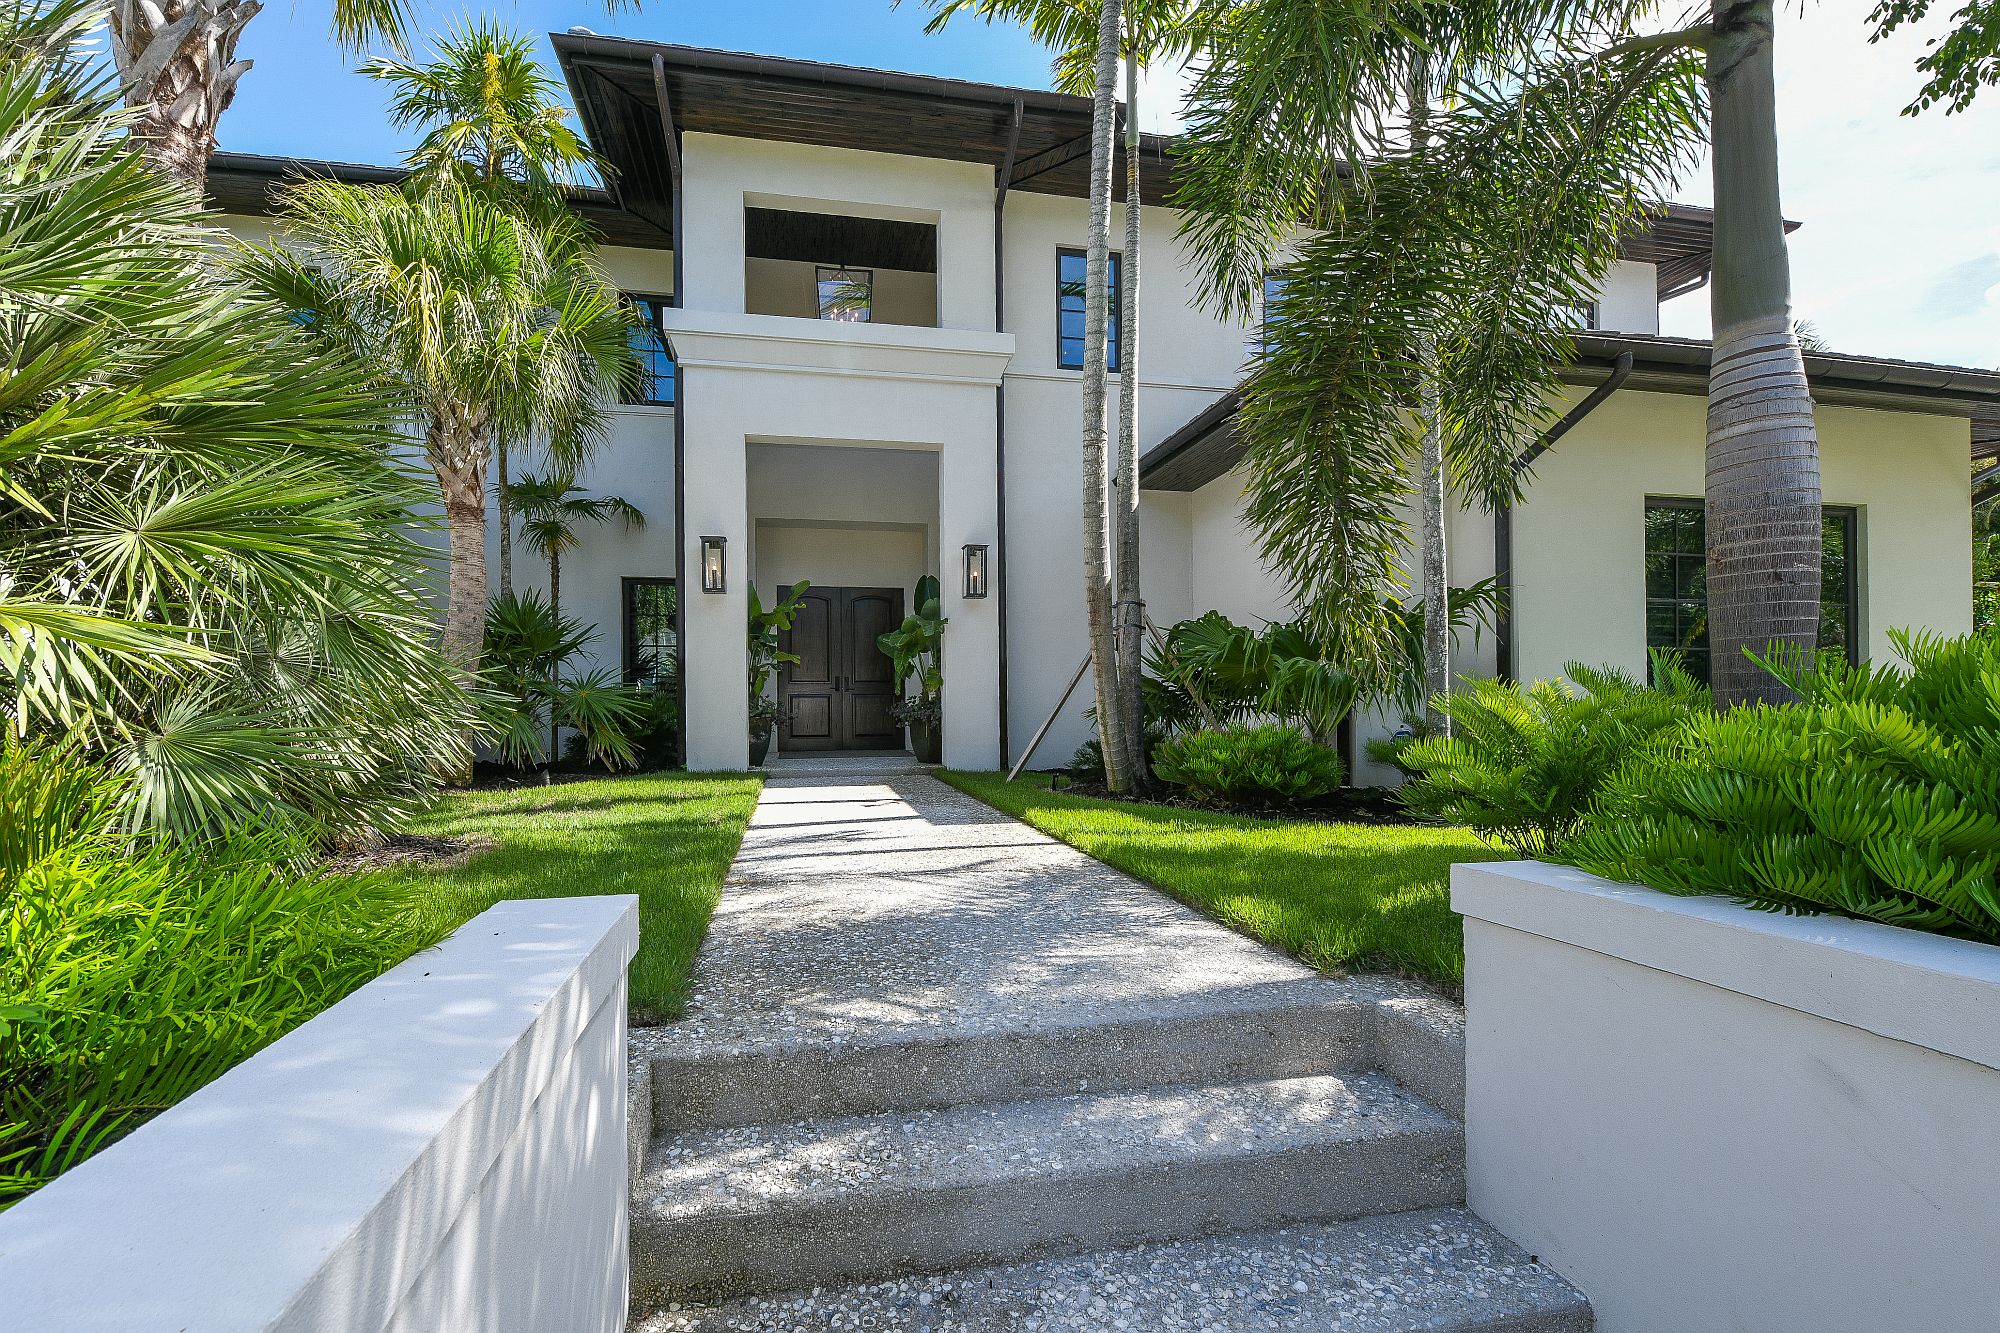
{"x": 1899, "y": 254}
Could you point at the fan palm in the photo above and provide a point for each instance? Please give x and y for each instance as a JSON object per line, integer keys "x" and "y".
{"x": 207, "y": 576}
{"x": 495, "y": 120}
{"x": 471, "y": 318}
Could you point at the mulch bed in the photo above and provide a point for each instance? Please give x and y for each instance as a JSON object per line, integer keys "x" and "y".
{"x": 407, "y": 849}
{"x": 1349, "y": 805}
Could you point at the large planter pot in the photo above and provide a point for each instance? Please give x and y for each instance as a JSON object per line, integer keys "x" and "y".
{"x": 1713, "y": 1118}
{"x": 760, "y": 745}
{"x": 927, "y": 740}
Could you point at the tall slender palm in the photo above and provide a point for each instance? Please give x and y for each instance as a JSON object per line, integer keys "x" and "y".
{"x": 495, "y": 120}
{"x": 551, "y": 509}
{"x": 1551, "y": 148}
{"x": 1090, "y": 41}
{"x": 464, "y": 308}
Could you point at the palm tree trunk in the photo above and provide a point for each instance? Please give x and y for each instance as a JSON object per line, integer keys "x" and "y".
{"x": 555, "y": 614}
{"x": 506, "y": 505}
{"x": 1131, "y": 605}
{"x": 1430, "y": 474}
{"x": 177, "y": 60}
{"x": 1763, "y": 486}
{"x": 456, "y": 445}
{"x": 1096, "y": 518}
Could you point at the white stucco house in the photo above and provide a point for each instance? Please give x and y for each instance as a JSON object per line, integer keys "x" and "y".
{"x": 869, "y": 369}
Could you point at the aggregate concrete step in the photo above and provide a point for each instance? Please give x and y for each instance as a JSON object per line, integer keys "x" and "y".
{"x": 1237, "y": 1035}
{"x": 1440, "y": 1270}
{"x": 782, "y": 1207}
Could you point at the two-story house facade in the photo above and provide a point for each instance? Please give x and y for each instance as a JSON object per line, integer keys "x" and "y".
{"x": 866, "y": 288}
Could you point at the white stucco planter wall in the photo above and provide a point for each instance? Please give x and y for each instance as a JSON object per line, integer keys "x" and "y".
{"x": 1710, "y": 1118}
{"x": 444, "y": 1149}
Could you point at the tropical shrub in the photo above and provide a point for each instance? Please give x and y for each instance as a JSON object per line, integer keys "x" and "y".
{"x": 1877, "y": 796}
{"x": 1523, "y": 763}
{"x": 764, "y": 633}
{"x": 206, "y": 569}
{"x": 1211, "y": 670}
{"x": 1249, "y": 765}
{"x": 916, "y": 651}
{"x": 528, "y": 651}
{"x": 133, "y": 970}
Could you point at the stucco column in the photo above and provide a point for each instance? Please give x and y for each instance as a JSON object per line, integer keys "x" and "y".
{"x": 714, "y": 656}
{"x": 967, "y": 514}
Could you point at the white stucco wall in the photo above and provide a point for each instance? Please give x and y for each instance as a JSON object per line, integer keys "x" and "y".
{"x": 1628, "y": 299}
{"x": 1712, "y": 1119}
{"x": 444, "y": 1149}
{"x": 1579, "y": 540}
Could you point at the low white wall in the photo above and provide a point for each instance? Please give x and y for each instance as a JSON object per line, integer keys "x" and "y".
{"x": 443, "y": 1149}
{"x": 1710, "y": 1118}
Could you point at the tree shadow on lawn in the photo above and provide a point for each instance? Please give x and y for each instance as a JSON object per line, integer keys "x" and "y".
{"x": 667, "y": 839}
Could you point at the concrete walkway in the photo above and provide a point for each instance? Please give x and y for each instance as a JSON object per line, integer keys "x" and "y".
{"x": 940, "y": 1071}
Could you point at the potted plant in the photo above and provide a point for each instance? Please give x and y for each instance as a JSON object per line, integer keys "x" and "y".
{"x": 917, "y": 649}
{"x": 765, "y": 658}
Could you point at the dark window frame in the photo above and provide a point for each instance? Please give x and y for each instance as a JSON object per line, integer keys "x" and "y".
{"x": 823, "y": 273}
{"x": 1114, "y": 345}
{"x": 1849, "y": 519}
{"x": 628, "y": 641}
{"x": 658, "y": 304}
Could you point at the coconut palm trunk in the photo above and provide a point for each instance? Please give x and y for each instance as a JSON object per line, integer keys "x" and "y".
{"x": 1763, "y": 484}
{"x": 455, "y": 442}
{"x": 1131, "y": 605}
{"x": 178, "y": 63}
{"x": 1097, "y": 588}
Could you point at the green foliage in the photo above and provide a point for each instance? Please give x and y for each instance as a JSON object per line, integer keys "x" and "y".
{"x": 1960, "y": 63}
{"x": 1523, "y": 764}
{"x": 764, "y": 655}
{"x": 528, "y": 651}
{"x": 1453, "y": 266}
{"x": 917, "y": 645}
{"x": 1985, "y": 581}
{"x": 209, "y": 573}
{"x": 133, "y": 971}
{"x": 1876, "y": 796}
{"x": 1212, "y": 670}
{"x": 1249, "y": 765}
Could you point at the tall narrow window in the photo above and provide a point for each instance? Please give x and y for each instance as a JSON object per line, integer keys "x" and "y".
{"x": 652, "y": 650}
{"x": 654, "y": 384}
{"x": 1275, "y": 282}
{"x": 1677, "y": 581}
{"x": 1071, "y": 267}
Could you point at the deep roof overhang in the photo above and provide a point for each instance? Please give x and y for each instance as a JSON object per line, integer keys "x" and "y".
{"x": 1207, "y": 447}
{"x": 249, "y": 184}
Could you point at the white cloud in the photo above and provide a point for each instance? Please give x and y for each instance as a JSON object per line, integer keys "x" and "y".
{"x": 1897, "y": 249}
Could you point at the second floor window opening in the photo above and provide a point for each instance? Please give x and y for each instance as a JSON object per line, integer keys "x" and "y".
{"x": 839, "y": 267}
{"x": 653, "y": 384}
{"x": 1071, "y": 266}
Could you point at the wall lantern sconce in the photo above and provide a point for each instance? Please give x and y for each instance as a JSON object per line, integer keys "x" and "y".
{"x": 714, "y": 573}
{"x": 975, "y": 571}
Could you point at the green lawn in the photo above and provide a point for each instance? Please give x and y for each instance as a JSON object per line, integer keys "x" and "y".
{"x": 1347, "y": 896}
{"x": 667, "y": 837}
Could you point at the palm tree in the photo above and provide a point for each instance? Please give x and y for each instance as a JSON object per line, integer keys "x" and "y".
{"x": 495, "y": 120}
{"x": 551, "y": 508}
{"x": 209, "y": 580}
{"x": 1089, "y": 42}
{"x": 470, "y": 315}
{"x": 1480, "y": 242}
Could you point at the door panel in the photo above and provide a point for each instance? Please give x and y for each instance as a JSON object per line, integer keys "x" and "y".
{"x": 870, "y": 686}
{"x": 808, "y": 715}
{"x": 838, "y": 695}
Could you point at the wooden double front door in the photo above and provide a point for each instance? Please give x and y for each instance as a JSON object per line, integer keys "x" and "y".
{"x": 837, "y": 695}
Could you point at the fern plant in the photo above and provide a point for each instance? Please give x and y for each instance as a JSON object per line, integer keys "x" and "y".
{"x": 1876, "y": 796}
{"x": 1523, "y": 762}
{"x": 1267, "y": 765}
